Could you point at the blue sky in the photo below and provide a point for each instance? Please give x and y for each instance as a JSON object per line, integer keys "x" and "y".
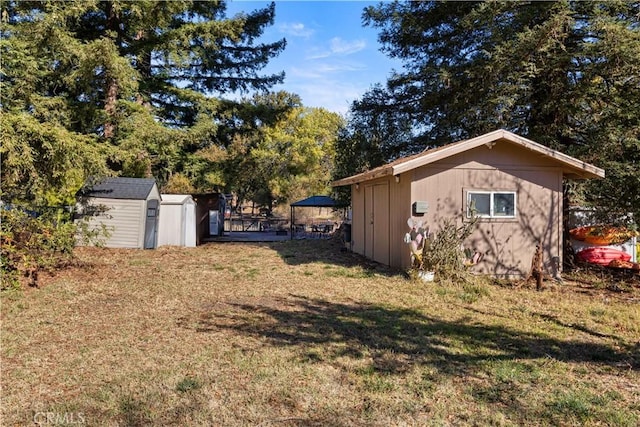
{"x": 330, "y": 58}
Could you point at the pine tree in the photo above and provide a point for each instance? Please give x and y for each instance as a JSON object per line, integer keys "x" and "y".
{"x": 566, "y": 74}
{"x": 139, "y": 82}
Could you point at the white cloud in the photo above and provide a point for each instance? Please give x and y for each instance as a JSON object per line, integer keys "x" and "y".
{"x": 334, "y": 95}
{"x": 322, "y": 69}
{"x": 325, "y": 86}
{"x": 342, "y": 47}
{"x": 338, "y": 47}
{"x": 296, "y": 29}
{"x": 318, "y": 54}
{"x": 338, "y": 67}
{"x": 302, "y": 73}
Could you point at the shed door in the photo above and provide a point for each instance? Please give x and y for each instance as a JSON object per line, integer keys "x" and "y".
{"x": 376, "y": 239}
{"x": 214, "y": 223}
{"x": 190, "y": 225}
{"x": 151, "y": 225}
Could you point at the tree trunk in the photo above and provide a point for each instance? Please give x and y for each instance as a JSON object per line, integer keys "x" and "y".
{"x": 143, "y": 66}
{"x": 111, "y": 84}
{"x": 110, "y": 107}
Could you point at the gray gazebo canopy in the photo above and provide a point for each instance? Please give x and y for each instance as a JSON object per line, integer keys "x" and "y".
{"x": 311, "y": 202}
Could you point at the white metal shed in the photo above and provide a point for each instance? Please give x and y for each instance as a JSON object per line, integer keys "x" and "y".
{"x": 178, "y": 221}
{"x": 131, "y": 210}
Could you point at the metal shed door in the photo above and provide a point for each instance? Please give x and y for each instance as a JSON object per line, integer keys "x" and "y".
{"x": 151, "y": 225}
{"x": 377, "y": 222}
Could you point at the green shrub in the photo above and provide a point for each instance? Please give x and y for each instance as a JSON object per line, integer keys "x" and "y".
{"x": 30, "y": 245}
{"x": 443, "y": 252}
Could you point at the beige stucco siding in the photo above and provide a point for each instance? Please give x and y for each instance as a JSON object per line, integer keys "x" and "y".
{"x": 498, "y": 161}
{"x": 400, "y": 205}
{"x": 508, "y": 244}
{"x": 358, "y": 219}
{"x": 501, "y": 155}
{"x": 124, "y": 219}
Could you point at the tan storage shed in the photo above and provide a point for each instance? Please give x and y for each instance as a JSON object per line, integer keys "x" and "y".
{"x": 515, "y": 184}
{"x": 131, "y": 210}
{"x": 178, "y": 221}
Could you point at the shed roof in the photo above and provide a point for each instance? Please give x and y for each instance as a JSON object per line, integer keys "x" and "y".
{"x": 316, "y": 201}
{"x": 572, "y": 167}
{"x": 118, "y": 188}
{"x": 176, "y": 199}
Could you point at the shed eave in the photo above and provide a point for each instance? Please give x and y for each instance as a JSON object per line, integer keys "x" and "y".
{"x": 572, "y": 167}
{"x": 448, "y": 151}
{"x": 366, "y": 176}
{"x": 176, "y": 199}
{"x": 580, "y": 174}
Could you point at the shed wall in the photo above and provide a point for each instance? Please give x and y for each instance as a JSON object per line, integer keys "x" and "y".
{"x": 358, "y": 219}
{"x": 400, "y": 211}
{"x": 389, "y": 222}
{"x": 177, "y": 224}
{"x": 171, "y": 228}
{"x": 124, "y": 220}
{"x": 508, "y": 244}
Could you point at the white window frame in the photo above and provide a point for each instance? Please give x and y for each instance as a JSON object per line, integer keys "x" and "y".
{"x": 492, "y": 194}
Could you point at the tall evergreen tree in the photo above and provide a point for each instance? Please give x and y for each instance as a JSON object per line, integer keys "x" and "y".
{"x": 564, "y": 73}
{"x": 140, "y": 80}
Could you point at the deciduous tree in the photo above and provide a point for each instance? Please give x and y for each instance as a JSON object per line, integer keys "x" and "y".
{"x": 288, "y": 158}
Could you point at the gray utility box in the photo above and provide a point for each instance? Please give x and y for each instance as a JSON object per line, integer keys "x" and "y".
{"x": 420, "y": 208}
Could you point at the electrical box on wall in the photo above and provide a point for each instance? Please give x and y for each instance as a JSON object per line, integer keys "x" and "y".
{"x": 420, "y": 208}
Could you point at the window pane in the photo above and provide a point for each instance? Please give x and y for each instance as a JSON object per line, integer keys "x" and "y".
{"x": 504, "y": 204}
{"x": 480, "y": 202}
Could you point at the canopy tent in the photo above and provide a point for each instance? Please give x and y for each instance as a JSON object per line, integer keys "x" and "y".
{"x": 310, "y": 202}
{"x": 315, "y": 202}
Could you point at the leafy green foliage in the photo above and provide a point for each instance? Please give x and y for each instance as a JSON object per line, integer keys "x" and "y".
{"x": 565, "y": 74}
{"x": 374, "y": 134}
{"x": 32, "y": 242}
{"x": 43, "y": 163}
{"x": 288, "y": 158}
{"x": 30, "y": 245}
{"x": 126, "y": 88}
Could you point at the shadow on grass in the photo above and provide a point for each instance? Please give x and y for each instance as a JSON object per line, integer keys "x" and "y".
{"x": 395, "y": 339}
{"x": 331, "y": 252}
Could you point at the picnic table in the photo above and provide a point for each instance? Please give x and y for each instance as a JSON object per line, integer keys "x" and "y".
{"x": 313, "y": 230}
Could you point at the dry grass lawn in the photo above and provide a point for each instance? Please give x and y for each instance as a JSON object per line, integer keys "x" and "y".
{"x": 301, "y": 334}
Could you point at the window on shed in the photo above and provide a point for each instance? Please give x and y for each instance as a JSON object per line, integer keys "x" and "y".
{"x": 492, "y": 204}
